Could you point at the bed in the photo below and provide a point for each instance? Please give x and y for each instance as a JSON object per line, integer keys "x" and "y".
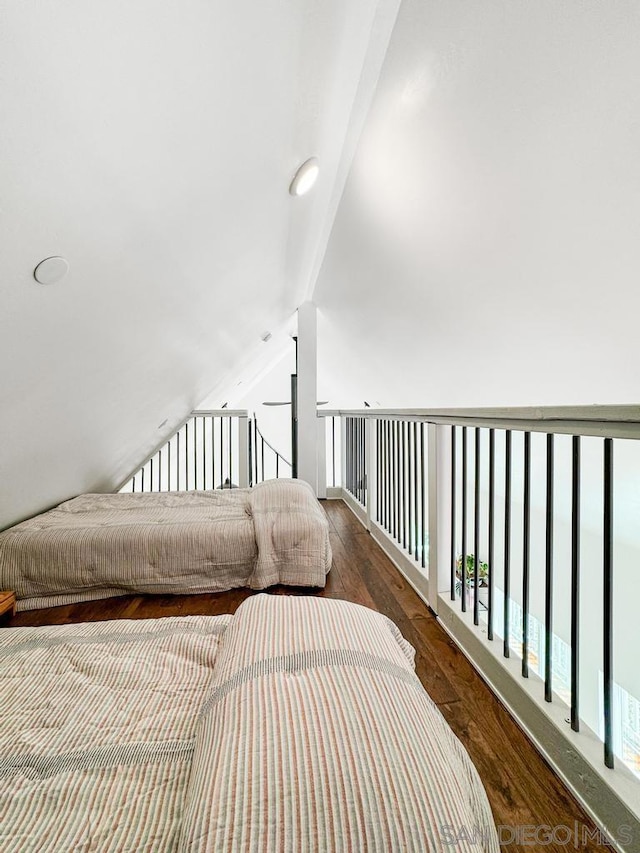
{"x": 97, "y": 545}
{"x": 296, "y": 725}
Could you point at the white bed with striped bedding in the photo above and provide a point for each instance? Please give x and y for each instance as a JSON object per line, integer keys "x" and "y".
{"x": 97, "y": 546}
{"x": 296, "y": 725}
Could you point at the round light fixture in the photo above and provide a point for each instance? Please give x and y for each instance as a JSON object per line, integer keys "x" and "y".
{"x": 305, "y": 177}
{"x": 51, "y": 270}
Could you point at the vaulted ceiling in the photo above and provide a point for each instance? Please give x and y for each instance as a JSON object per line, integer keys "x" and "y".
{"x": 152, "y": 145}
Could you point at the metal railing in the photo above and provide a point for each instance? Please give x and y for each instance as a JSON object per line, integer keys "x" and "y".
{"x": 207, "y": 451}
{"x": 483, "y": 510}
{"x": 265, "y": 462}
{"x": 213, "y": 449}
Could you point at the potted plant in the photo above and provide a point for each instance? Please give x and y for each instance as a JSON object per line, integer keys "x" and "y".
{"x": 483, "y": 571}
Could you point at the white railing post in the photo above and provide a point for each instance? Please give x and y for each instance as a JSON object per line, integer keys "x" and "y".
{"x": 243, "y": 451}
{"x": 439, "y": 478}
{"x": 343, "y": 452}
{"x": 442, "y": 555}
{"x": 322, "y": 457}
{"x": 434, "y": 514}
{"x": 370, "y": 467}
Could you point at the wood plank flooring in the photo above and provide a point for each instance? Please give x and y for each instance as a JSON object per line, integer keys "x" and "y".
{"x": 522, "y": 788}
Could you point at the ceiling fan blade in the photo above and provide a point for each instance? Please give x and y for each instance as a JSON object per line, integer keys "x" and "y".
{"x": 288, "y": 403}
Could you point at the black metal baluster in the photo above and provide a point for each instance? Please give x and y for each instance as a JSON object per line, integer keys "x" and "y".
{"x": 423, "y": 526}
{"x": 397, "y": 514}
{"x": 464, "y": 519}
{"x": 365, "y": 473}
{"x": 354, "y": 459}
{"x": 204, "y": 452}
{"x": 548, "y": 601}
{"x": 195, "y": 453}
{"x": 347, "y": 454}
{"x": 221, "y": 431}
{"x": 476, "y": 529}
{"x": 526, "y": 552}
{"x": 356, "y": 450}
{"x": 388, "y": 477}
{"x": 415, "y": 490}
{"x": 382, "y": 485}
{"x": 143, "y": 478}
{"x": 507, "y": 540}
{"x": 608, "y": 602}
{"x": 409, "y": 493}
{"x": 213, "y": 452}
{"x": 186, "y": 456}
{"x": 391, "y": 484}
{"x": 403, "y": 490}
{"x": 178, "y": 461}
{"x": 255, "y": 449}
{"x": 575, "y": 584}
{"x": 411, "y": 520}
{"x": 453, "y": 513}
{"x": 378, "y": 473}
{"x": 383, "y": 474}
{"x": 352, "y": 444}
{"x": 361, "y": 460}
{"x": 491, "y": 531}
{"x": 347, "y": 438}
{"x": 389, "y": 465}
{"x": 333, "y": 448}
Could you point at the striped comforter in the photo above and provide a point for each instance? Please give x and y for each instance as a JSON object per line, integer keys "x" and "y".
{"x": 297, "y": 725}
{"x": 98, "y": 730}
{"x": 96, "y": 546}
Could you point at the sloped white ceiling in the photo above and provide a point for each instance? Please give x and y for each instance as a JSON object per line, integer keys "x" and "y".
{"x": 486, "y": 248}
{"x": 152, "y": 145}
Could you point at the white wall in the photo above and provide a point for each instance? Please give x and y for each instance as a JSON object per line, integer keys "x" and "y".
{"x": 486, "y": 248}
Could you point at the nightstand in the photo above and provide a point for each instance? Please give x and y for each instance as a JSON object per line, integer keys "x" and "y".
{"x": 7, "y": 606}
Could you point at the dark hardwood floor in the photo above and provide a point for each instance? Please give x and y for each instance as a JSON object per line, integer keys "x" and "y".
{"x": 522, "y": 788}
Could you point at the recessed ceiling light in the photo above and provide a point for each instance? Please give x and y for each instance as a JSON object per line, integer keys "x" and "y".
{"x": 305, "y": 177}
{"x": 51, "y": 270}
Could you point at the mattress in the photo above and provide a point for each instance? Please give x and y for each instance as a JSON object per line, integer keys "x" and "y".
{"x": 318, "y": 736}
{"x": 97, "y": 545}
{"x": 296, "y": 725}
{"x": 98, "y": 730}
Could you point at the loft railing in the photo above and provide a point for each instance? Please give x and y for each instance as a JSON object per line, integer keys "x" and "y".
{"x": 211, "y": 449}
{"x": 208, "y": 451}
{"x": 265, "y": 462}
{"x": 489, "y": 514}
